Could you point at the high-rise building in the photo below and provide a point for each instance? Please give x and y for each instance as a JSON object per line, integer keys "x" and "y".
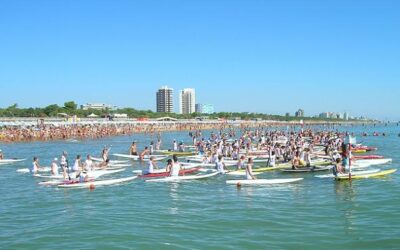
{"x": 165, "y": 101}
{"x": 187, "y": 100}
{"x": 346, "y": 116}
{"x": 204, "y": 108}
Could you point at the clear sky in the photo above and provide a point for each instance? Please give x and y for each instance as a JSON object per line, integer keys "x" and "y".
{"x": 254, "y": 56}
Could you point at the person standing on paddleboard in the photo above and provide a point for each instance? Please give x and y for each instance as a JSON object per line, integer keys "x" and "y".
{"x": 338, "y": 168}
{"x": 133, "y": 149}
{"x": 35, "y": 165}
{"x": 151, "y": 147}
{"x": 1, "y": 155}
{"x": 88, "y": 164}
{"x": 64, "y": 164}
{"x": 54, "y": 167}
{"x": 77, "y": 168}
{"x": 249, "y": 170}
{"x": 104, "y": 153}
{"x": 240, "y": 163}
{"x": 220, "y": 165}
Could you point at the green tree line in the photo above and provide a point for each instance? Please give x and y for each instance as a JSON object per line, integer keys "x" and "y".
{"x": 71, "y": 108}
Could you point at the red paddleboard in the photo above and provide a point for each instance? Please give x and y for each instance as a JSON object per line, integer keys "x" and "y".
{"x": 367, "y": 157}
{"x": 165, "y": 174}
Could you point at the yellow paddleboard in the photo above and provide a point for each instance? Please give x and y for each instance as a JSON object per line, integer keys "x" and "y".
{"x": 359, "y": 151}
{"x": 362, "y": 176}
{"x": 178, "y": 153}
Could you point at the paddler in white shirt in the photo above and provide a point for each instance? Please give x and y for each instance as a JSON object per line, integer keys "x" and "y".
{"x": 240, "y": 163}
{"x": 77, "y": 168}
{"x": 88, "y": 164}
{"x": 151, "y": 166}
{"x": 175, "y": 146}
{"x": 220, "y": 165}
{"x": 176, "y": 167}
{"x": 272, "y": 159}
{"x": 54, "y": 167}
{"x": 35, "y": 165}
{"x": 249, "y": 170}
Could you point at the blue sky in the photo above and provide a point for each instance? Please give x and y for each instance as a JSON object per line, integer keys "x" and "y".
{"x": 256, "y": 56}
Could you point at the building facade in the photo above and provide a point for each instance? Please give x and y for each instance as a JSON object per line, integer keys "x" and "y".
{"x": 97, "y": 106}
{"x": 165, "y": 100}
{"x": 299, "y": 113}
{"x": 187, "y": 100}
{"x": 204, "y": 108}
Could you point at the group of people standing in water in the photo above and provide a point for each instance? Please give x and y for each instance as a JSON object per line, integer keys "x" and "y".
{"x": 295, "y": 148}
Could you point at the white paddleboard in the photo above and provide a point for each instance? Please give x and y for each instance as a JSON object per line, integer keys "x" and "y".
{"x": 184, "y": 178}
{"x": 98, "y": 183}
{"x": 263, "y": 181}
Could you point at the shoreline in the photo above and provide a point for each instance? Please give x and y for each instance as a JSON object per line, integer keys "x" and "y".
{"x": 52, "y": 129}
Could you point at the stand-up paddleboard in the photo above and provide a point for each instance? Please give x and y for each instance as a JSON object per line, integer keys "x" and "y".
{"x": 367, "y": 157}
{"x": 353, "y": 173}
{"x": 111, "y": 161}
{"x": 11, "y": 161}
{"x": 92, "y": 174}
{"x": 184, "y": 178}
{"x": 177, "y": 153}
{"x": 97, "y": 183}
{"x": 307, "y": 169}
{"x": 372, "y": 161}
{"x": 137, "y": 158}
{"x": 205, "y": 165}
{"x": 166, "y": 174}
{"x": 362, "y": 176}
{"x": 263, "y": 181}
{"x": 27, "y": 170}
{"x": 241, "y": 173}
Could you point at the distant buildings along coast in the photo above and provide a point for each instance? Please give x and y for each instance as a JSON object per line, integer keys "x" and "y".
{"x": 204, "y": 108}
{"x": 165, "y": 100}
{"x": 187, "y": 100}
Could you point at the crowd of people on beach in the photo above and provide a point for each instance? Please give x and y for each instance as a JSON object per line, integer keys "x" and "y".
{"x": 92, "y": 131}
{"x": 66, "y": 131}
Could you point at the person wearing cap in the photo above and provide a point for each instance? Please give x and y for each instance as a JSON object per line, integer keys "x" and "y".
{"x": 64, "y": 164}
{"x": 54, "y": 167}
{"x": 1, "y": 155}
